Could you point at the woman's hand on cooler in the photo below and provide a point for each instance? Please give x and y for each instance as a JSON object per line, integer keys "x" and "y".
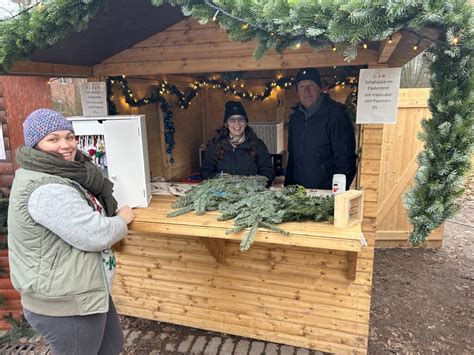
{"x": 126, "y": 213}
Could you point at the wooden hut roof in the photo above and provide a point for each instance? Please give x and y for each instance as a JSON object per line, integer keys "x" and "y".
{"x": 133, "y": 37}
{"x": 111, "y": 31}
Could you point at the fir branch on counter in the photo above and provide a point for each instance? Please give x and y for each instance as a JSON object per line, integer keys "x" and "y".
{"x": 246, "y": 200}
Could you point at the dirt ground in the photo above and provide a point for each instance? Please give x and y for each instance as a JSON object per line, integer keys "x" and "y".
{"x": 422, "y": 300}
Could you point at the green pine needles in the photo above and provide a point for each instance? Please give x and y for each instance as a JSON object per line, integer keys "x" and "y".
{"x": 44, "y": 26}
{"x": 245, "y": 200}
{"x": 448, "y": 140}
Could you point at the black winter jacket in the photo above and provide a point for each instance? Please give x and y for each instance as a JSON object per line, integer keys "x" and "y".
{"x": 238, "y": 161}
{"x": 320, "y": 146}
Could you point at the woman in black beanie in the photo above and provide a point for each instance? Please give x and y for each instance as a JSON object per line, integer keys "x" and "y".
{"x": 236, "y": 150}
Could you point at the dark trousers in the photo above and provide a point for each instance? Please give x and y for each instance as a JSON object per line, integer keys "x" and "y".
{"x": 99, "y": 333}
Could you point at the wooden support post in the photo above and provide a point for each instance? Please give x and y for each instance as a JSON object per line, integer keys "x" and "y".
{"x": 216, "y": 247}
{"x": 351, "y": 265}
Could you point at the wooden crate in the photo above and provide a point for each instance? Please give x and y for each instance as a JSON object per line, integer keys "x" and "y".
{"x": 348, "y": 208}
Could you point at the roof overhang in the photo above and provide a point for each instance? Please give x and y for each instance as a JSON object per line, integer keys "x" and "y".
{"x": 127, "y": 23}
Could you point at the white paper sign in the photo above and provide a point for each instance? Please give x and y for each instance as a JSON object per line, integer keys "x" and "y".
{"x": 2, "y": 144}
{"x": 93, "y": 99}
{"x": 377, "y": 99}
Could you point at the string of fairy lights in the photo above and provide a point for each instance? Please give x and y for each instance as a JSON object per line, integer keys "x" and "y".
{"x": 453, "y": 40}
{"x": 235, "y": 86}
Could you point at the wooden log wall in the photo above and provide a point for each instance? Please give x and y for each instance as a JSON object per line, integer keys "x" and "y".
{"x": 18, "y": 97}
{"x": 6, "y": 165}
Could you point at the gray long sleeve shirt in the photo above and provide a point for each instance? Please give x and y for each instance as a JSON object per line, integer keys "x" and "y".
{"x": 62, "y": 210}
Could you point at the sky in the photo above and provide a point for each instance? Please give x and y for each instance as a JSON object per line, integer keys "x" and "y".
{"x": 9, "y": 8}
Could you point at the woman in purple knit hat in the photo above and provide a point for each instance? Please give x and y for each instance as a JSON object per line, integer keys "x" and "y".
{"x": 62, "y": 222}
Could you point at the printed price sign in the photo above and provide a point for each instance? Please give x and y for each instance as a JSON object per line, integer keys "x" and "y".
{"x": 93, "y": 99}
{"x": 377, "y": 99}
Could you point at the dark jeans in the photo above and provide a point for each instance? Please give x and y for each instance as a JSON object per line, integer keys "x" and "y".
{"x": 99, "y": 333}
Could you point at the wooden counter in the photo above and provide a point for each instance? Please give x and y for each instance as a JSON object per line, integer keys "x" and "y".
{"x": 213, "y": 232}
{"x": 309, "y": 289}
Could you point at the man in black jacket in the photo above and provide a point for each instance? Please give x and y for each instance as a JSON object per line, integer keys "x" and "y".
{"x": 321, "y": 140}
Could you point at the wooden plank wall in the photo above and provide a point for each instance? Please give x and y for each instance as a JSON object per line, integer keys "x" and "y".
{"x": 289, "y": 295}
{"x": 141, "y": 88}
{"x": 400, "y": 147}
{"x": 270, "y": 110}
{"x": 189, "y": 47}
{"x": 188, "y": 124}
{"x": 276, "y": 108}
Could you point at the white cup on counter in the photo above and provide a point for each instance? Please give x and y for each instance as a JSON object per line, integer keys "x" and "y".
{"x": 338, "y": 183}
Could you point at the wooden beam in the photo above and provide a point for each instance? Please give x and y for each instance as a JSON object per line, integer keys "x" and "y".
{"x": 272, "y": 61}
{"x": 387, "y": 47}
{"x": 404, "y": 52}
{"x": 351, "y": 265}
{"x": 216, "y": 247}
{"x": 49, "y": 69}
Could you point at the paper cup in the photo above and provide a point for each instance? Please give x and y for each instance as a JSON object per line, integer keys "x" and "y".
{"x": 338, "y": 183}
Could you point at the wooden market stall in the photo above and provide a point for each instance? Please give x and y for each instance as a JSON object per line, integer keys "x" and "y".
{"x": 310, "y": 289}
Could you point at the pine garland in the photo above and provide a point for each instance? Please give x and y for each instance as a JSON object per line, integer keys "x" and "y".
{"x": 252, "y": 206}
{"x": 45, "y": 25}
{"x": 282, "y": 24}
{"x": 448, "y": 140}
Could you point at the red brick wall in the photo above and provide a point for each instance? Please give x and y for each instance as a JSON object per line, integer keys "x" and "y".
{"x": 18, "y": 97}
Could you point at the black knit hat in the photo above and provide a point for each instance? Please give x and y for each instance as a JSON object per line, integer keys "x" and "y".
{"x": 234, "y": 108}
{"x": 308, "y": 74}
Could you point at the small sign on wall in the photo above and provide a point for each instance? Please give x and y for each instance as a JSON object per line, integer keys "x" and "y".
{"x": 377, "y": 99}
{"x": 93, "y": 99}
{"x": 2, "y": 144}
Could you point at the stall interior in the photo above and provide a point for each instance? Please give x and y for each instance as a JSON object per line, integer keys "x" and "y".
{"x": 196, "y": 125}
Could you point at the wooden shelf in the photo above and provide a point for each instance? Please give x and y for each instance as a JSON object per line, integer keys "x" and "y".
{"x": 212, "y": 232}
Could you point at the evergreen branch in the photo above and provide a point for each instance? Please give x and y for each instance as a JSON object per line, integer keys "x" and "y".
{"x": 246, "y": 200}
{"x": 273, "y": 228}
{"x": 43, "y": 26}
{"x": 181, "y": 211}
{"x": 20, "y": 329}
{"x": 248, "y": 239}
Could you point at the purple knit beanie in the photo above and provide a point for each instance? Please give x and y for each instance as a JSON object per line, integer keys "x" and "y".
{"x": 42, "y": 122}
